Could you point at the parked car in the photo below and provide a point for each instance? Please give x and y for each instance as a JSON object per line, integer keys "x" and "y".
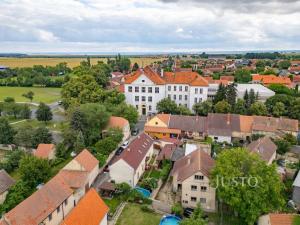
{"x": 119, "y": 151}
{"x": 125, "y": 144}
{"x": 135, "y": 131}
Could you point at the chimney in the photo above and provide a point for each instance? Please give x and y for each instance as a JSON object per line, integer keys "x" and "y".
{"x": 162, "y": 72}
{"x": 228, "y": 119}
{"x": 189, "y": 160}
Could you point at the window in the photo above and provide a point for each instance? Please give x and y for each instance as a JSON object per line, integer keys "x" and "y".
{"x": 50, "y": 217}
{"x": 136, "y": 89}
{"x": 202, "y": 200}
{"x": 143, "y": 89}
{"x": 149, "y": 99}
{"x": 180, "y": 97}
{"x": 195, "y": 100}
{"x": 143, "y": 81}
{"x": 66, "y": 202}
{"x": 157, "y": 90}
{"x": 203, "y": 188}
{"x": 149, "y": 89}
{"x": 185, "y": 201}
{"x": 143, "y": 98}
{"x": 150, "y": 107}
{"x": 169, "y": 96}
{"x": 180, "y": 88}
{"x": 194, "y": 188}
{"x": 193, "y": 199}
{"x": 58, "y": 209}
{"x": 175, "y": 88}
{"x": 196, "y": 90}
{"x": 185, "y": 97}
{"x": 136, "y": 106}
{"x": 129, "y": 89}
{"x": 169, "y": 88}
{"x": 136, "y": 98}
{"x": 199, "y": 177}
{"x": 186, "y": 88}
{"x": 200, "y": 90}
{"x": 174, "y": 97}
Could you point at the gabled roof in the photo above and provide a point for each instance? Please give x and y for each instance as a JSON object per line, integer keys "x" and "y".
{"x": 264, "y": 147}
{"x": 74, "y": 178}
{"x": 117, "y": 122}
{"x": 6, "y": 181}
{"x": 271, "y": 79}
{"x": 90, "y": 210}
{"x": 148, "y": 72}
{"x": 44, "y": 150}
{"x": 222, "y": 124}
{"x": 271, "y": 124}
{"x": 188, "y": 123}
{"x": 281, "y": 219}
{"x": 40, "y": 204}
{"x": 196, "y": 161}
{"x": 87, "y": 160}
{"x": 165, "y": 118}
{"x": 136, "y": 151}
{"x": 189, "y": 77}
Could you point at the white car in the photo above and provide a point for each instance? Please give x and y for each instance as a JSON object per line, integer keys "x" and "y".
{"x": 125, "y": 144}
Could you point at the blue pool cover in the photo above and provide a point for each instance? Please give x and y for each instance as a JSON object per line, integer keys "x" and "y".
{"x": 170, "y": 220}
{"x": 146, "y": 193}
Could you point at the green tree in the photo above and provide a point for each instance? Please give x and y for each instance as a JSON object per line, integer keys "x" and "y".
{"x": 247, "y": 184}
{"x": 203, "y": 108}
{"x": 24, "y": 136}
{"x": 182, "y": 110}
{"x": 284, "y": 64}
{"x": 259, "y": 109}
{"x": 6, "y": 132}
{"x": 129, "y": 112}
{"x": 177, "y": 209}
{"x": 9, "y": 100}
{"x": 242, "y": 76}
{"x": 221, "y": 94}
{"x": 61, "y": 151}
{"x": 25, "y": 112}
{"x": 222, "y": 107}
{"x": 43, "y": 113}
{"x": 29, "y": 95}
{"x": 166, "y": 105}
{"x": 240, "y": 108}
{"x": 196, "y": 218}
{"x": 285, "y": 99}
{"x": 294, "y": 110}
{"x": 283, "y": 145}
{"x": 135, "y": 67}
{"x": 78, "y": 120}
{"x": 34, "y": 170}
{"x": 41, "y": 135}
{"x": 106, "y": 146}
{"x": 278, "y": 109}
{"x": 231, "y": 94}
{"x": 79, "y": 143}
{"x": 12, "y": 159}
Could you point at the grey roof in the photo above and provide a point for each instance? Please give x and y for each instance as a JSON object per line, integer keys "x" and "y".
{"x": 297, "y": 180}
{"x": 222, "y": 124}
{"x": 265, "y": 147}
{"x": 177, "y": 154}
{"x": 187, "y": 123}
{"x": 5, "y": 181}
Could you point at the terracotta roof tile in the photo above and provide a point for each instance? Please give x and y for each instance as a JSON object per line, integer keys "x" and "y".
{"x": 281, "y": 219}
{"x": 87, "y": 160}
{"x": 161, "y": 130}
{"x": 74, "y": 178}
{"x": 148, "y": 72}
{"x": 271, "y": 79}
{"x": 166, "y": 152}
{"x": 44, "y": 150}
{"x": 191, "y": 78}
{"x": 90, "y": 210}
{"x": 164, "y": 118}
{"x": 117, "y": 122}
{"x": 192, "y": 163}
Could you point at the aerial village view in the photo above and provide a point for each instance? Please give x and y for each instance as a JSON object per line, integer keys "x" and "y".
{"x": 149, "y": 112}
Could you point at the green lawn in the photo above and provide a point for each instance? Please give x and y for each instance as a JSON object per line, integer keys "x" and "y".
{"x": 113, "y": 204}
{"x": 54, "y": 126}
{"x": 227, "y": 219}
{"x": 133, "y": 215}
{"x": 46, "y": 95}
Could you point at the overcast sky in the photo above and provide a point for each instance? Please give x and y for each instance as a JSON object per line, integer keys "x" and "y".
{"x": 148, "y": 25}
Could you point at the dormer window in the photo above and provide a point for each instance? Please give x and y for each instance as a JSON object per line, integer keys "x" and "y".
{"x": 143, "y": 81}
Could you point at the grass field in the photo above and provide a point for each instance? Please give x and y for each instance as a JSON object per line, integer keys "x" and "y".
{"x": 72, "y": 62}
{"x": 46, "y": 95}
{"x": 133, "y": 215}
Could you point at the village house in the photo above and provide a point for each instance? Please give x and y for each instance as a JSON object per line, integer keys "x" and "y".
{"x": 45, "y": 151}
{"x": 145, "y": 88}
{"x": 296, "y": 190}
{"x": 6, "y": 182}
{"x": 90, "y": 210}
{"x": 277, "y": 219}
{"x": 130, "y": 165}
{"x": 191, "y": 181}
{"x": 50, "y": 204}
{"x": 271, "y": 79}
{"x": 120, "y": 123}
{"x": 295, "y": 67}
{"x": 265, "y": 148}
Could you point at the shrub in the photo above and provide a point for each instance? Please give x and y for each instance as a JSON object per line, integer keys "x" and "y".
{"x": 177, "y": 209}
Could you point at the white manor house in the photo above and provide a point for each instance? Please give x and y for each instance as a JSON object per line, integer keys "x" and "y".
{"x": 145, "y": 88}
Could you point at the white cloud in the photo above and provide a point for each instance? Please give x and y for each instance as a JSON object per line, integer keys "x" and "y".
{"x": 148, "y": 25}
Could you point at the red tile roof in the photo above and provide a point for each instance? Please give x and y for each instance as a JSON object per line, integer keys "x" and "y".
{"x": 39, "y": 205}
{"x": 117, "y": 122}
{"x": 136, "y": 151}
{"x": 166, "y": 152}
{"x": 228, "y": 78}
{"x": 148, "y": 72}
{"x": 44, "y": 150}
{"x": 192, "y": 163}
{"x": 74, "y": 178}
{"x": 90, "y": 210}
{"x": 271, "y": 79}
{"x": 6, "y": 181}
{"x": 87, "y": 160}
{"x": 191, "y": 78}
{"x": 150, "y": 129}
{"x": 281, "y": 219}
{"x": 165, "y": 118}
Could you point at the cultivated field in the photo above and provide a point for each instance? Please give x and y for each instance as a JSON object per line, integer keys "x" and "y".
{"x": 72, "y": 62}
{"x": 46, "y": 95}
